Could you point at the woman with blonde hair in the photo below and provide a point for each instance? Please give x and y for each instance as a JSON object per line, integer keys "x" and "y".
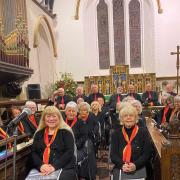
{"x": 53, "y": 145}
{"x": 130, "y": 146}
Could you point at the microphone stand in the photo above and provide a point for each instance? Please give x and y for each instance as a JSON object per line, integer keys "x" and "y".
{"x": 15, "y": 135}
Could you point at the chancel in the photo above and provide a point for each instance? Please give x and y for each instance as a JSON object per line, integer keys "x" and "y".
{"x": 109, "y": 66}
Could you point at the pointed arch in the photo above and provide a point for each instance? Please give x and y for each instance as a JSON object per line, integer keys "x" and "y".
{"x": 39, "y": 21}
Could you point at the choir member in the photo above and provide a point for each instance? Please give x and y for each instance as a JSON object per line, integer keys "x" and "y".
{"x": 169, "y": 89}
{"x": 132, "y": 93}
{"x": 150, "y": 97}
{"x": 130, "y": 144}
{"x": 52, "y": 99}
{"x": 53, "y": 145}
{"x": 176, "y": 109}
{"x": 61, "y": 99}
{"x": 31, "y": 122}
{"x": 115, "y": 98}
{"x": 94, "y": 94}
{"x": 80, "y": 94}
{"x": 165, "y": 113}
{"x": 88, "y": 170}
{"x": 142, "y": 120}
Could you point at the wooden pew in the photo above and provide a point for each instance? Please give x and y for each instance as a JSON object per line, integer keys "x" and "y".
{"x": 22, "y": 155}
{"x": 166, "y": 162}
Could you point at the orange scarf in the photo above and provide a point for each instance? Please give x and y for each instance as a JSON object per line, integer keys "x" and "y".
{"x": 21, "y": 127}
{"x": 164, "y": 115}
{"x": 127, "y": 150}
{"x": 3, "y": 134}
{"x": 47, "y": 150}
{"x": 33, "y": 120}
{"x": 73, "y": 122}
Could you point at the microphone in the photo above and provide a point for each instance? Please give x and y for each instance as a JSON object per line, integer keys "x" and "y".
{"x": 16, "y": 120}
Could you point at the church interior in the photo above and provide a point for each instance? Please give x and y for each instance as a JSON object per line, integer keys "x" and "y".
{"x": 65, "y": 53}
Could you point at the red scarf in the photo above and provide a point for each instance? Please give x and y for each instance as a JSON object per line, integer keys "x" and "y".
{"x": 95, "y": 97}
{"x": 47, "y": 150}
{"x": 33, "y": 120}
{"x": 127, "y": 150}
{"x": 3, "y": 134}
{"x": 118, "y": 99}
{"x": 164, "y": 115}
{"x": 149, "y": 95}
{"x": 62, "y": 100}
{"x": 73, "y": 122}
{"x": 21, "y": 127}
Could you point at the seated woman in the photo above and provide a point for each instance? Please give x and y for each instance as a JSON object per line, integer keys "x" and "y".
{"x": 32, "y": 121}
{"x": 176, "y": 109}
{"x": 163, "y": 116}
{"x": 78, "y": 127}
{"x": 88, "y": 169}
{"x": 130, "y": 145}
{"x": 13, "y": 113}
{"x": 137, "y": 104}
{"x": 53, "y": 145}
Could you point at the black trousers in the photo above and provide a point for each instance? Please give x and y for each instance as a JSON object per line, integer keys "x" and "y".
{"x": 68, "y": 174}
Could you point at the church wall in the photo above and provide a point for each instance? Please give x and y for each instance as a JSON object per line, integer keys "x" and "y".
{"x": 167, "y": 37}
{"x": 41, "y": 59}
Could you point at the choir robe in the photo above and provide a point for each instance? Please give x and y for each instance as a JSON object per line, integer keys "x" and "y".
{"x": 172, "y": 93}
{"x": 61, "y": 154}
{"x": 114, "y": 99}
{"x": 83, "y": 97}
{"x": 29, "y": 128}
{"x": 91, "y": 127}
{"x": 141, "y": 147}
{"x": 160, "y": 114}
{"x": 93, "y": 96}
{"x": 153, "y": 99}
{"x": 135, "y": 96}
{"x": 66, "y": 99}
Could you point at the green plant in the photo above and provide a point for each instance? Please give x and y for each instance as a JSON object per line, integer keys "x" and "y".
{"x": 67, "y": 82}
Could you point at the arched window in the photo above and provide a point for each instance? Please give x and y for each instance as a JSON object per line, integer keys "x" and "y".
{"x": 103, "y": 35}
{"x": 119, "y": 34}
{"x": 135, "y": 33}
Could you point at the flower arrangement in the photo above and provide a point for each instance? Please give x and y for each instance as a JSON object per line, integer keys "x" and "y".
{"x": 67, "y": 82}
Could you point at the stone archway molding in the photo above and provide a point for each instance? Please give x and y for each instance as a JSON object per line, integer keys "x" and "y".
{"x": 39, "y": 21}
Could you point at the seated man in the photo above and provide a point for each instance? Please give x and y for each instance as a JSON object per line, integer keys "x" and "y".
{"x": 132, "y": 93}
{"x": 80, "y": 94}
{"x": 150, "y": 97}
{"x": 95, "y": 94}
{"x": 169, "y": 89}
{"x": 115, "y": 98}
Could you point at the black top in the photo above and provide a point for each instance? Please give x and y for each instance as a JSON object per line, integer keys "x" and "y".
{"x": 113, "y": 100}
{"x": 83, "y": 97}
{"x": 172, "y": 93}
{"x": 141, "y": 147}
{"x": 80, "y": 134}
{"x": 91, "y": 97}
{"x": 135, "y": 96}
{"x": 29, "y": 128}
{"x": 66, "y": 99}
{"x": 160, "y": 114}
{"x": 62, "y": 150}
{"x": 154, "y": 98}
{"x": 91, "y": 127}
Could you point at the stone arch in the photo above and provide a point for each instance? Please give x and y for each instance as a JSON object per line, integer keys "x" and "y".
{"x": 36, "y": 33}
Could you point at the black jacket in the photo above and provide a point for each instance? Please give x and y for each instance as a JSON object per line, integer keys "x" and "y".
{"x": 141, "y": 147}
{"x": 62, "y": 150}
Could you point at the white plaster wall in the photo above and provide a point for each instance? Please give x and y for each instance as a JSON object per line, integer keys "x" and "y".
{"x": 167, "y": 37}
{"x": 41, "y": 59}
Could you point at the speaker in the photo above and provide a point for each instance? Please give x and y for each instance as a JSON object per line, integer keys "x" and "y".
{"x": 34, "y": 91}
